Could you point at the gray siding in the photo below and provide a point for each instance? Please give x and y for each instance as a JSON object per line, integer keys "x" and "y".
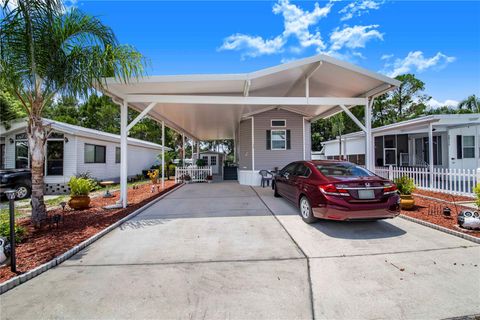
{"x": 308, "y": 140}
{"x": 269, "y": 159}
{"x": 245, "y": 145}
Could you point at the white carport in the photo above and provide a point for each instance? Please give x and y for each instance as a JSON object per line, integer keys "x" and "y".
{"x": 210, "y": 106}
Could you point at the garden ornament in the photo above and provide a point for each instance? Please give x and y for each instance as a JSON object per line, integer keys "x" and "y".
{"x": 469, "y": 219}
{"x": 3, "y": 244}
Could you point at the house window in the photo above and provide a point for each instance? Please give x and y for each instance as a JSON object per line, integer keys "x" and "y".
{"x": 54, "y": 159}
{"x": 117, "y": 155}
{"x": 469, "y": 146}
{"x": 277, "y": 123}
{"x": 390, "y": 150}
{"x": 279, "y": 139}
{"x": 213, "y": 160}
{"x": 22, "y": 158}
{"x": 2, "y": 156}
{"x": 390, "y": 157}
{"x": 94, "y": 153}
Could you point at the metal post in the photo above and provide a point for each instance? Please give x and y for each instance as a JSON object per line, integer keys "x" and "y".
{"x": 11, "y": 200}
{"x": 183, "y": 150}
{"x": 198, "y": 149}
{"x": 368, "y": 135}
{"x": 430, "y": 152}
{"x": 123, "y": 154}
{"x": 163, "y": 155}
{"x": 193, "y": 142}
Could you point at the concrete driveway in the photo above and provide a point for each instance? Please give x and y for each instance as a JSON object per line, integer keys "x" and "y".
{"x": 217, "y": 251}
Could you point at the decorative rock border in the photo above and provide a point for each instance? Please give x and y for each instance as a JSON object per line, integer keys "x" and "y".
{"x": 9, "y": 284}
{"x": 443, "y": 229}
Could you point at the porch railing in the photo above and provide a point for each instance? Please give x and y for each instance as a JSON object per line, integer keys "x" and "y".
{"x": 192, "y": 174}
{"x": 454, "y": 181}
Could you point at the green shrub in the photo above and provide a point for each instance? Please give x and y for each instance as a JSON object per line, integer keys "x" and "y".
{"x": 80, "y": 186}
{"x": 87, "y": 175}
{"x": 20, "y": 231}
{"x": 477, "y": 193}
{"x": 201, "y": 163}
{"x": 405, "y": 185}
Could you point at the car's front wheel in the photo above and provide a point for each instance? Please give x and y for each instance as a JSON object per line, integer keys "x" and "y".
{"x": 22, "y": 191}
{"x": 306, "y": 211}
{"x": 275, "y": 191}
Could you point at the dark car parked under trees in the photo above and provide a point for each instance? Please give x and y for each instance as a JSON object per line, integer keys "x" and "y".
{"x": 16, "y": 179}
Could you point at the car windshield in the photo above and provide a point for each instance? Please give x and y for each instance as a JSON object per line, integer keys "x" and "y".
{"x": 343, "y": 170}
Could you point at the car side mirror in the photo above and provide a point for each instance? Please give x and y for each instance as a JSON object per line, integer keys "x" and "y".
{"x": 286, "y": 175}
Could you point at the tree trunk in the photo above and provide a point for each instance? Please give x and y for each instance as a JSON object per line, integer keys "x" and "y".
{"x": 37, "y": 137}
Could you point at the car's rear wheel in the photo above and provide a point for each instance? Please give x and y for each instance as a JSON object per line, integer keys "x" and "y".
{"x": 22, "y": 191}
{"x": 275, "y": 191}
{"x": 306, "y": 211}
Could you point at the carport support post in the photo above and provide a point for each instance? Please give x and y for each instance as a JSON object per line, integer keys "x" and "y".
{"x": 183, "y": 150}
{"x": 163, "y": 155}
{"x": 123, "y": 154}
{"x": 368, "y": 134}
{"x": 430, "y": 152}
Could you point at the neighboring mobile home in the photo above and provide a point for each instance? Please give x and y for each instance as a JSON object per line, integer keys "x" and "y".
{"x": 72, "y": 150}
{"x": 455, "y": 141}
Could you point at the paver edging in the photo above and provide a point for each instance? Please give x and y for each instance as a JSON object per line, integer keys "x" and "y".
{"x": 15, "y": 281}
{"x": 440, "y": 228}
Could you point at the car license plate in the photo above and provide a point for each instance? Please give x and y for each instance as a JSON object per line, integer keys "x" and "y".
{"x": 366, "y": 194}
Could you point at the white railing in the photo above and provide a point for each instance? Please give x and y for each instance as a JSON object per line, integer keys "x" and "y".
{"x": 196, "y": 174}
{"x": 454, "y": 181}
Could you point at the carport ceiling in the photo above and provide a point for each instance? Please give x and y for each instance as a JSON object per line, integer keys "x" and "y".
{"x": 210, "y": 106}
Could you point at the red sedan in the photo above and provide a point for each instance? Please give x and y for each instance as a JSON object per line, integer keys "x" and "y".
{"x": 336, "y": 190}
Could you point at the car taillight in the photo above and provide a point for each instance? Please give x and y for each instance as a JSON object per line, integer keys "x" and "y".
{"x": 389, "y": 188}
{"x": 332, "y": 190}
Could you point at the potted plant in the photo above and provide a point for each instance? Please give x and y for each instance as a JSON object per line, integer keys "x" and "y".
{"x": 405, "y": 186}
{"x": 187, "y": 178}
{"x": 79, "y": 193}
{"x": 153, "y": 175}
{"x": 209, "y": 178}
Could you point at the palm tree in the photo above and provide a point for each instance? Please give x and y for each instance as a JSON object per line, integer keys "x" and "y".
{"x": 47, "y": 51}
{"x": 472, "y": 103}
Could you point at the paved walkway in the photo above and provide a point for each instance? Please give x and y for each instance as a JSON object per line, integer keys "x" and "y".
{"x": 215, "y": 251}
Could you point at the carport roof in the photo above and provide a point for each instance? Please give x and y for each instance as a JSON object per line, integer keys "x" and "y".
{"x": 210, "y": 106}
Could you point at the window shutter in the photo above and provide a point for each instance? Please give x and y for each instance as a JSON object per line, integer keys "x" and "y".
{"x": 288, "y": 140}
{"x": 459, "y": 147}
{"x": 269, "y": 140}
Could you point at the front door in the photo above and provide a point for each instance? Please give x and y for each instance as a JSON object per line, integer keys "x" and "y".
{"x": 213, "y": 162}
{"x": 463, "y": 148}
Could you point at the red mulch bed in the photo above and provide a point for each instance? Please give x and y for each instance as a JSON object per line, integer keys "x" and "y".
{"x": 432, "y": 211}
{"x": 44, "y": 244}
{"x": 443, "y": 196}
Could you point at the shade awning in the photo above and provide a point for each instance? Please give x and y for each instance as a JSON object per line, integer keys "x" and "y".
{"x": 210, "y": 106}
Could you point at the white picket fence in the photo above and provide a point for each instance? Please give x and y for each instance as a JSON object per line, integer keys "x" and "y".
{"x": 196, "y": 174}
{"x": 454, "y": 181}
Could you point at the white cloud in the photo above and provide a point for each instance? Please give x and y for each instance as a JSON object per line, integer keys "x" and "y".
{"x": 296, "y": 24}
{"x": 253, "y": 46}
{"x": 353, "y": 37}
{"x": 386, "y": 56}
{"x": 416, "y": 62}
{"x": 435, "y": 104}
{"x": 359, "y": 7}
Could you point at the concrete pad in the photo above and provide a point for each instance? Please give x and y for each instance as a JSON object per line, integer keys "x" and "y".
{"x": 186, "y": 240}
{"x": 198, "y": 229}
{"x": 336, "y": 238}
{"x": 433, "y": 285}
{"x": 242, "y": 290}
{"x": 212, "y": 190}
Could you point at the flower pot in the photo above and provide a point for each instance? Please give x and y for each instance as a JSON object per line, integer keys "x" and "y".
{"x": 406, "y": 202}
{"x": 79, "y": 202}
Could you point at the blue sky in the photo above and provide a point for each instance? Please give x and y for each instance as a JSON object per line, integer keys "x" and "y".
{"x": 439, "y": 41}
